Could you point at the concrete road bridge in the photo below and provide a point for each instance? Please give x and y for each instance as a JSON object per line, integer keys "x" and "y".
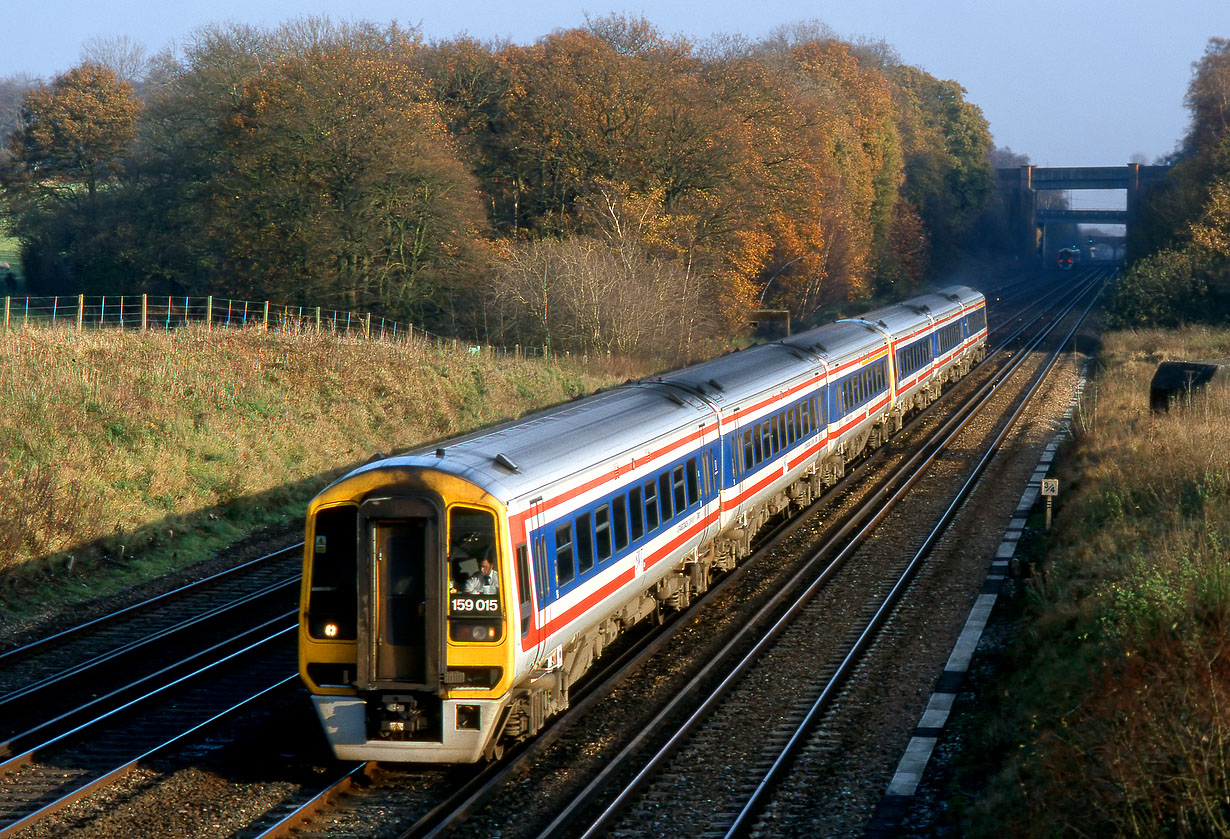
{"x": 1019, "y": 188}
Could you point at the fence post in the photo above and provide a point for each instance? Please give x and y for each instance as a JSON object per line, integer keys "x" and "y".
{"x": 7, "y": 302}
{"x": 265, "y": 321}
{"x": 144, "y": 312}
{"x": 318, "y": 319}
{"x": 80, "y": 311}
{"x": 209, "y": 313}
{"x": 367, "y": 325}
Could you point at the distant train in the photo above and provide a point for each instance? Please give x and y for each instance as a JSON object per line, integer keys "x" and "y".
{"x": 1069, "y": 258}
{"x": 453, "y": 595}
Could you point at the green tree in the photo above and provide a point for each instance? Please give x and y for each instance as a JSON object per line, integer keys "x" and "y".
{"x": 1181, "y": 260}
{"x": 946, "y": 145}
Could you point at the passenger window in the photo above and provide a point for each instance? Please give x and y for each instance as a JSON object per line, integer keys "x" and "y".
{"x": 664, "y": 496}
{"x": 766, "y": 438}
{"x": 602, "y": 532}
{"x": 707, "y": 468}
{"x": 636, "y": 507}
{"x": 748, "y": 451}
{"x": 565, "y": 570}
{"x": 585, "y": 545}
{"x": 651, "y": 507}
{"x": 755, "y": 432}
{"x": 791, "y": 432}
{"x": 681, "y": 502}
{"x": 619, "y": 509}
{"x": 693, "y": 491}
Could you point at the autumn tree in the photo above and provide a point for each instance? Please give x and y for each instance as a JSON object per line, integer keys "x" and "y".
{"x": 1208, "y": 99}
{"x": 1181, "y": 249}
{"x": 61, "y": 176}
{"x": 73, "y": 134}
{"x": 339, "y": 185}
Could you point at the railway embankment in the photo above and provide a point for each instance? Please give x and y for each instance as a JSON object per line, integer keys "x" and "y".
{"x": 1104, "y": 713}
{"x": 127, "y": 456}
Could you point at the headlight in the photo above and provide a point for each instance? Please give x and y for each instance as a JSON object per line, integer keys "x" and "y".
{"x": 463, "y": 630}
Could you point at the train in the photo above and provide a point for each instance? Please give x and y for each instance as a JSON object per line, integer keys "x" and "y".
{"x": 453, "y": 595}
{"x": 1069, "y": 258}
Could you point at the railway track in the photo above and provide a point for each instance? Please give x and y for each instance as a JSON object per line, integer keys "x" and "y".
{"x": 419, "y": 801}
{"x": 720, "y": 765}
{"x": 569, "y": 739}
{"x": 49, "y": 684}
{"x": 102, "y": 749}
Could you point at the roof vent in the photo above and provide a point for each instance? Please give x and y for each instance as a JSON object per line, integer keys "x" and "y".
{"x": 716, "y": 385}
{"x": 440, "y": 452}
{"x": 503, "y": 460}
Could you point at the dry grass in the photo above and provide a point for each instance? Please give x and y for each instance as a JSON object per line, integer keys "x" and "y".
{"x": 1114, "y": 717}
{"x": 172, "y": 445}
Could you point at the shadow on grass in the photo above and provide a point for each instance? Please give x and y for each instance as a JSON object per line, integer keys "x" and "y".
{"x": 91, "y": 578}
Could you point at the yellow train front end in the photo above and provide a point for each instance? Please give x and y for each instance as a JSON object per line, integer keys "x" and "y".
{"x": 405, "y": 623}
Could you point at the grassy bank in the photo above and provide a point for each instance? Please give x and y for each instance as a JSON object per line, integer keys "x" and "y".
{"x": 1112, "y": 713}
{"x": 10, "y": 252}
{"x": 125, "y": 455}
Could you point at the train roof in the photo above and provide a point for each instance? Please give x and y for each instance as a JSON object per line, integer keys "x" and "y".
{"x": 535, "y": 451}
{"x": 902, "y": 318}
{"x": 733, "y": 379}
{"x": 839, "y": 342}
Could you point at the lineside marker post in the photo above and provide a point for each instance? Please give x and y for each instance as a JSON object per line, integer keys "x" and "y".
{"x": 209, "y": 313}
{"x": 7, "y": 303}
{"x": 265, "y": 323}
{"x": 1050, "y": 488}
{"x": 80, "y": 311}
{"x": 144, "y": 312}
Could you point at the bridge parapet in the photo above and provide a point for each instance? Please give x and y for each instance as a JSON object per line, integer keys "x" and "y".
{"x": 1084, "y": 216}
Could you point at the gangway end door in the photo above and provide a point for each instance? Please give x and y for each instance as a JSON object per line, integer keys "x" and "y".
{"x": 400, "y": 601}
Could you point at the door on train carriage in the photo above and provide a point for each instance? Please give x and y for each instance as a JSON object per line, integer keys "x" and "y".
{"x": 400, "y": 601}
{"x": 540, "y": 599}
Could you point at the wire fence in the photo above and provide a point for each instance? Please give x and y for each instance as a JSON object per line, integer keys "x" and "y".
{"x": 165, "y": 312}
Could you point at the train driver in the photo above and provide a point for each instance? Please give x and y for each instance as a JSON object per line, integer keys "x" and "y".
{"x": 486, "y": 581}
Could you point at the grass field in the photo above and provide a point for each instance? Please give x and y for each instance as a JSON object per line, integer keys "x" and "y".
{"x": 10, "y": 252}
{"x": 1112, "y": 717}
{"x": 124, "y": 455}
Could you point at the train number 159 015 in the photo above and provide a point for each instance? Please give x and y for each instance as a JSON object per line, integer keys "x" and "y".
{"x": 475, "y": 605}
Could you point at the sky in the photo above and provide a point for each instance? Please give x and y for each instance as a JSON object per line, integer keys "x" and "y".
{"x": 1076, "y": 83}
